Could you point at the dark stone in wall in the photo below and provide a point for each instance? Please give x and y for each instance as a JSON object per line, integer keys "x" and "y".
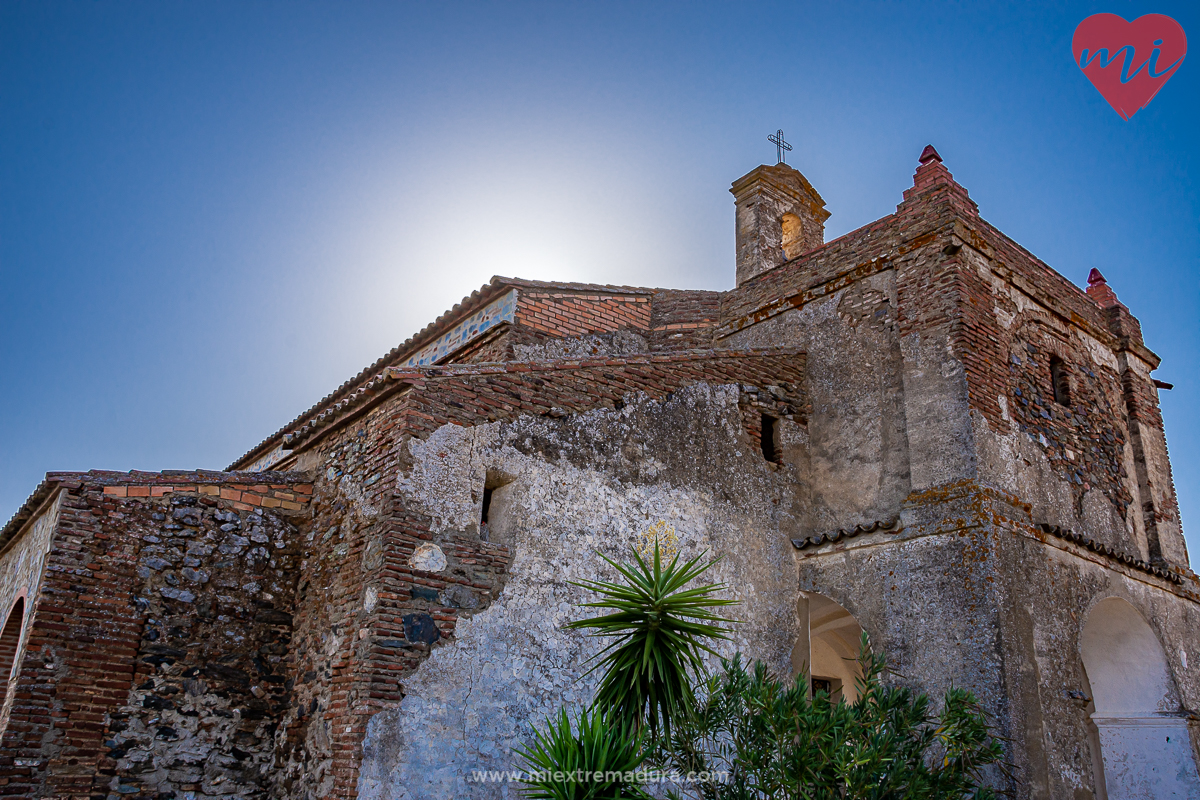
{"x": 424, "y": 593}
{"x": 420, "y": 628}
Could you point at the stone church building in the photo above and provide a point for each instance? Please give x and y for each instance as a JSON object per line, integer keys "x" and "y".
{"x": 917, "y": 430}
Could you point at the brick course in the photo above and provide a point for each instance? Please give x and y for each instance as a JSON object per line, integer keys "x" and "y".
{"x": 563, "y": 314}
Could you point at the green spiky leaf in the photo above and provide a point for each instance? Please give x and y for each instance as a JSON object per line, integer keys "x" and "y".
{"x": 660, "y": 630}
{"x": 597, "y": 758}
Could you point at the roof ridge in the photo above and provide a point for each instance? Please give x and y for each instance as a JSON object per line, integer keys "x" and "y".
{"x": 575, "y": 286}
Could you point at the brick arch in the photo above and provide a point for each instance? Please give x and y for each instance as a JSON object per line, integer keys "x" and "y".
{"x": 1038, "y": 330}
{"x": 1041, "y": 329}
{"x": 10, "y": 647}
{"x": 1031, "y": 322}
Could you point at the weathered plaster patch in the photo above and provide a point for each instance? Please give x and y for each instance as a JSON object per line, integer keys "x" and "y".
{"x": 511, "y": 665}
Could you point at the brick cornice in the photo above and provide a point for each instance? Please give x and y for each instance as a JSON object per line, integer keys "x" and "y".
{"x": 976, "y": 505}
{"x": 401, "y": 379}
{"x": 112, "y": 478}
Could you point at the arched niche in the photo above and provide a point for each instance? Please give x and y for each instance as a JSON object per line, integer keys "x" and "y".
{"x": 1143, "y": 738}
{"x": 791, "y": 236}
{"x": 827, "y": 646}
{"x": 10, "y": 647}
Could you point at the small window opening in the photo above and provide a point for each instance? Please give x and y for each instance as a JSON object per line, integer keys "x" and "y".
{"x": 487, "y": 504}
{"x": 770, "y": 439}
{"x": 1062, "y": 384}
{"x": 822, "y": 685}
{"x": 493, "y": 481}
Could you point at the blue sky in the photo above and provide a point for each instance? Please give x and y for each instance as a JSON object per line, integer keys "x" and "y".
{"x": 211, "y": 214}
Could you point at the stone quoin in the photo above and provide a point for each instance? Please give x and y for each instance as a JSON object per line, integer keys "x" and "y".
{"x": 917, "y": 430}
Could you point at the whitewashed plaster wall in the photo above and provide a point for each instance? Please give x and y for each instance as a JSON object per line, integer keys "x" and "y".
{"x": 477, "y": 697}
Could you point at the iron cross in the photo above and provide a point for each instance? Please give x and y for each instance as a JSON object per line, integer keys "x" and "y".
{"x": 780, "y": 146}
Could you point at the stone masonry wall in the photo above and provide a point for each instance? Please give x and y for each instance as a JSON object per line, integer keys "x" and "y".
{"x": 100, "y": 707}
{"x": 213, "y": 672}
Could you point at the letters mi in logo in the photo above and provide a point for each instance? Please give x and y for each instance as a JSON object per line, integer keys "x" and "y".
{"x": 1129, "y": 61}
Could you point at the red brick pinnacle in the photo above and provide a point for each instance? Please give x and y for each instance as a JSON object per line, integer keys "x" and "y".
{"x": 1099, "y": 290}
{"x": 933, "y": 180}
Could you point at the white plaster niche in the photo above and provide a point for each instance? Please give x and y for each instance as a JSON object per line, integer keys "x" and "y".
{"x": 1145, "y": 750}
{"x": 828, "y": 642}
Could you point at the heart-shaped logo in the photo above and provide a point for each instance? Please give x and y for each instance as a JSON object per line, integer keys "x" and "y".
{"x": 1129, "y": 61}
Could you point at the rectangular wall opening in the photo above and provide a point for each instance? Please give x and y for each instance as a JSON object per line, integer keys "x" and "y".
{"x": 492, "y": 508}
{"x": 487, "y": 506}
{"x": 771, "y": 449}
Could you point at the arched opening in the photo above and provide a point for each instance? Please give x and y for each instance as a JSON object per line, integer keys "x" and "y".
{"x": 10, "y": 645}
{"x": 827, "y": 647}
{"x": 1060, "y": 381}
{"x": 792, "y": 236}
{"x": 1144, "y": 746}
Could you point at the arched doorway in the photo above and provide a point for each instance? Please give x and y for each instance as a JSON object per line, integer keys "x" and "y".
{"x": 1143, "y": 740}
{"x": 10, "y": 645}
{"x": 827, "y": 646}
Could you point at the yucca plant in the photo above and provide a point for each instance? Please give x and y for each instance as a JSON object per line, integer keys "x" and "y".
{"x": 660, "y": 631}
{"x": 597, "y": 759}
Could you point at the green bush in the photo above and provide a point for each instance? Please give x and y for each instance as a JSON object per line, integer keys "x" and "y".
{"x": 767, "y": 738}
